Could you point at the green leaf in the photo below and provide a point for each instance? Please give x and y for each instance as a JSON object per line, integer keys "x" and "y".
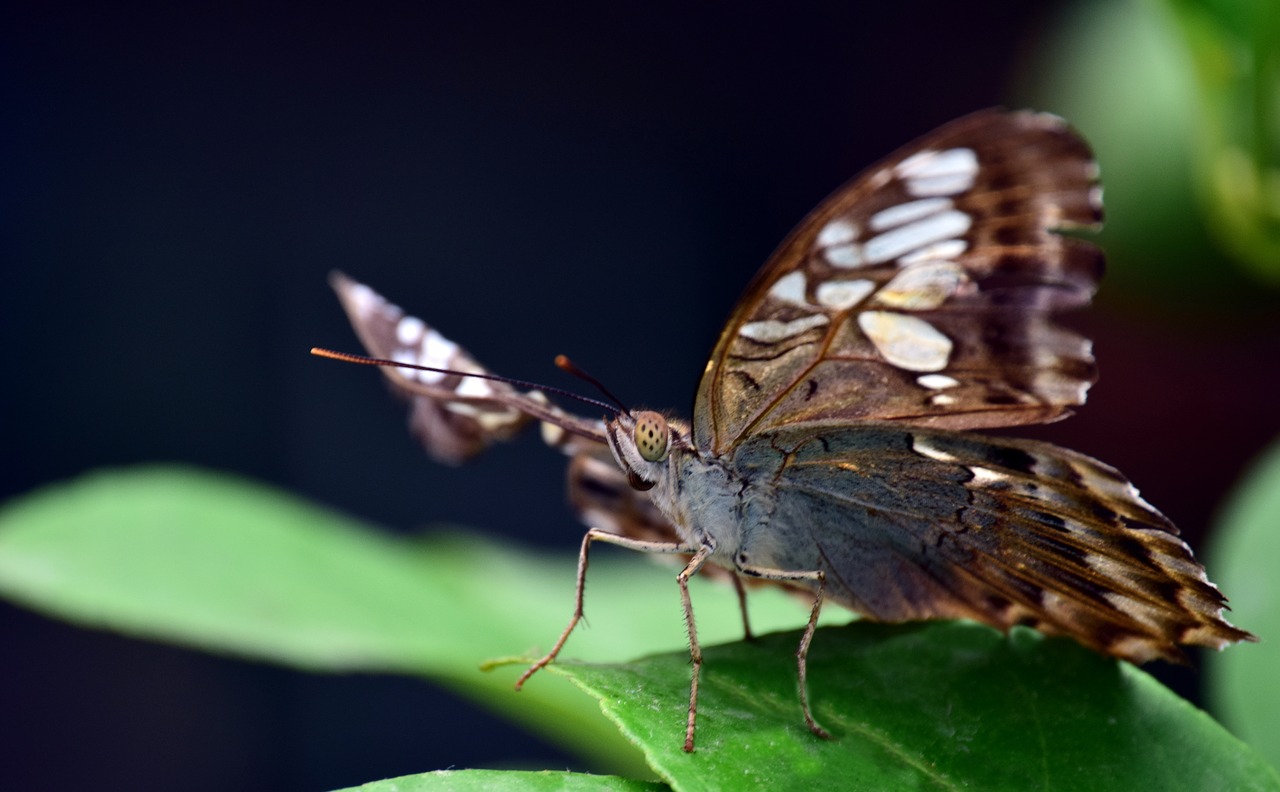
{"x": 489, "y": 780}
{"x": 943, "y": 705}
{"x": 218, "y": 563}
{"x": 1243, "y": 684}
{"x": 214, "y": 562}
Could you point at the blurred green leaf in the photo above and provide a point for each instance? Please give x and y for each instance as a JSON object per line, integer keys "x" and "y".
{"x": 1243, "y": 684}
{"x": 490, "y": 780}
{"x": 1113, "y": 70}
{"x": 1181, "y": 101}
{"x": 218, "y": 563}
{"x": 1234, "y": 47}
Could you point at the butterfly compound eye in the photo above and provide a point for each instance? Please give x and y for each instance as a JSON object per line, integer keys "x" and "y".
{"x": 651, "y": 436}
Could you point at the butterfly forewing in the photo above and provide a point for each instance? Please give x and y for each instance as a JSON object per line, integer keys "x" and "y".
{"x": 922, "y": 292}
{"x": 455, "y": 417}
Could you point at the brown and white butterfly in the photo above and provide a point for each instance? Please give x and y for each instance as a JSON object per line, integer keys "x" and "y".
{"x": 827, "y": 451}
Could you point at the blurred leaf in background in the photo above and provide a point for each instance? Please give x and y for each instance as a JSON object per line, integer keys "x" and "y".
{"x": 1233, "y": 47}
{"x": 1181, "y": 100}
{"x": 1243, "y": 686}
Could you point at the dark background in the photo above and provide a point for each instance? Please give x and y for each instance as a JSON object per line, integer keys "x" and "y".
{"x": 177, "y": 182}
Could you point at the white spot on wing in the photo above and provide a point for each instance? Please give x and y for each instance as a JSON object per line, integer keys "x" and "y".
{"x": 363, "y": 300}
{"x": 489, "y": 420}
{"x": 922, "y": 445}
{"x": 462, "y": 408}
{"x": 937, "y": 381}
{"x": 436, "y": 349}
{"x": 847, "y": 256}
{"x": 946, "y": 249}
{"x": 1043, "y": 358}
{"x": 409, "y": 330}
{"x": 907, "y": 342}
{"x": 842, "y": 294}
{"x": 790, "y": 288}
{"x": 942, "y": 399}
{"x": 904, "y": 239}
{"x": 474, "y": 386}
{"x": 880, "y": 178}
{"x": 837, "y": 232}
{"x": 939, "y": 185}
{"x": 429, "y": 377}
{"x": 772, "y": 330}
{"x": 930, "y": 163}
{"x": 922, "y": 287}
{"x": 494, "y": 421}
{"x": 408, "y": 356}
{"x": 985, "y": 476}
{"x": 934, "y": 173}
{"x": 906, "y": 212}
{"x": 552, "y": 434}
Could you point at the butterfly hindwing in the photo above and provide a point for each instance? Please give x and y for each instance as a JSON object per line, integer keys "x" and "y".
{"x": 914, "y": 523}
{"x": 922, "y": 292}
{"x": 603, "y": 498}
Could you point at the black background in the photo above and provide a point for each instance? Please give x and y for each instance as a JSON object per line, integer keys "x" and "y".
{"x": 177, "y": 182}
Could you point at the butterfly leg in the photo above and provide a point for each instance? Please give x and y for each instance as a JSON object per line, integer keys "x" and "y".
{"x": 741, "y": 590}
{"x": 802, "y": 653}
{"x": 695, "y": 649}
{"x": 595, "y": 534}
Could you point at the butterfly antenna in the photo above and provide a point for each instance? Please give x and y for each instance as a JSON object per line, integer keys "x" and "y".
{"x": 347, "y": 357}
{"x": 565, "y": 364}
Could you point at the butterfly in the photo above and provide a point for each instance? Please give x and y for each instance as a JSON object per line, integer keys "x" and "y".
{"x": 829, "y": 450}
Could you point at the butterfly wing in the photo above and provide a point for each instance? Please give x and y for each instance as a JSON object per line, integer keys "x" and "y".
{"x": 454, "y": 417}
{"x": 922, "y": 292}
{"x": 911, "y": 523}
{"x": 457, "y": 417}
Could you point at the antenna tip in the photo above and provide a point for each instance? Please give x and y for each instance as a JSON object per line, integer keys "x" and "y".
{"x": 564, "y": 364}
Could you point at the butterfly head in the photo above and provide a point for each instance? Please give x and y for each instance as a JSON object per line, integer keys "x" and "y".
{"x": 641, "y": 442}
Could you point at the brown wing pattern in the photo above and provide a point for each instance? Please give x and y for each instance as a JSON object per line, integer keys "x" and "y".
{"x": 922, "y": 292}
{"x": 454, "y": 423}
{"x": 912, "y": 523}
{"x": 454, "y": 417}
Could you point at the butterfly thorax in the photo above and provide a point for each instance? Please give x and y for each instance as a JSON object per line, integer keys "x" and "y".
{"x": 704, "y": 498}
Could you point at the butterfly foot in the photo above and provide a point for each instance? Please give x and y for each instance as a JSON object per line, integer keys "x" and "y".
{"x": 815, "y": 728}
{"x": 533, "y": 669}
